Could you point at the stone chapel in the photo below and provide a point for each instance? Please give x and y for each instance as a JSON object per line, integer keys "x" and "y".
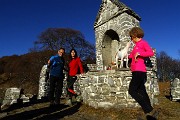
{"x": 113, "y": 21}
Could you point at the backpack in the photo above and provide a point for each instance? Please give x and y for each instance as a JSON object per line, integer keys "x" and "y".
{"x": 147, "y": 62}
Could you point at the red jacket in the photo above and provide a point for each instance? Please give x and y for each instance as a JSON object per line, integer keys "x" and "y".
{"x": 74, "y": 65}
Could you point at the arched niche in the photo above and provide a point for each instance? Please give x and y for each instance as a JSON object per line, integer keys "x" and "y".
{"x": 110, "y": 46}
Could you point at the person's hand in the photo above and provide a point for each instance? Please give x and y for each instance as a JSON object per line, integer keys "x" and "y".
{"x": 82, "y": 74}
{"x": 136, "y": 56}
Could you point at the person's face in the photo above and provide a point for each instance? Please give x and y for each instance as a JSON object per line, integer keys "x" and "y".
{"x": 61, "y": 52}
{"x": 133, "y": 39}
{"x": 73, "y": 54}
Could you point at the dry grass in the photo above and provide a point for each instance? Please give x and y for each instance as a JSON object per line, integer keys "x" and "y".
{"x": 168, "y": 110}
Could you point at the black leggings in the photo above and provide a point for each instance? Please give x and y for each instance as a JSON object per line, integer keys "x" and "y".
{"x": 138, "y": 91}
{"x": 70, "y": 86}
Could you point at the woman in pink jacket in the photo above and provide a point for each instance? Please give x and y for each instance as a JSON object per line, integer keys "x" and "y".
{"x": 137, "y": 85}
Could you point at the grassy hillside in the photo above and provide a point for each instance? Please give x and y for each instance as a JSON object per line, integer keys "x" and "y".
{"x": 23, "y": 71}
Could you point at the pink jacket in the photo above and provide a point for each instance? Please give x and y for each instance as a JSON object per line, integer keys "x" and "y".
{"x": 143, "y": 48}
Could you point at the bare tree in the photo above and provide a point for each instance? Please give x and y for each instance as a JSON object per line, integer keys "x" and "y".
{"x": 175, "y": 69}
{"x": 162, "y": 64}
{"x": 168, "y": 68}
{"x": 54, "y": 38}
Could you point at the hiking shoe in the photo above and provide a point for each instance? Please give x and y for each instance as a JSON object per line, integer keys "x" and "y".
{"x": 57, "y": 102}
{"x": 69, "y": 102}
{"x": 78, "y": 98}
{"x": 51, "y": 105}
{"x": 73, "y": 100}
{"x": 154, "y": 113}
{"x": 51, "y": 102}
{"x": 150, "y": 117}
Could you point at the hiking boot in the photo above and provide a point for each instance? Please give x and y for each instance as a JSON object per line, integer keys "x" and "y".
{"x": 51, "y": 103}
{"x": 154, "y": 113}
{"x": 78, "y": 98}
{"x": 73, "y": 99}
{"x": 148, "y": 117}
{"x": 69, "y": 102}
{"x": 57, "y": 101}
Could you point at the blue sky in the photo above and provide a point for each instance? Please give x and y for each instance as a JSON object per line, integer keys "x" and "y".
{"x": 22, "y": 21}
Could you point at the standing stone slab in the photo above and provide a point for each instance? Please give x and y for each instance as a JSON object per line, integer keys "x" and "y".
{"x": 43, "y": 83}
{"x": 175, "y": 89}
{"x": 11, "y": 96}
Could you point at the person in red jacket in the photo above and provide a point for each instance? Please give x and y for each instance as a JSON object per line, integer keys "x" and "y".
{"x": 75, "y": 66}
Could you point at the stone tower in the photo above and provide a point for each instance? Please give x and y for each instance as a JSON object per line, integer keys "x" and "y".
{"x": 112, "y": 24}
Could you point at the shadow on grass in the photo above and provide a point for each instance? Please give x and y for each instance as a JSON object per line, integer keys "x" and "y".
{"x": 170, "y": 98}
{"x": 47, "y": 113}
{"x": 20, "y": 104}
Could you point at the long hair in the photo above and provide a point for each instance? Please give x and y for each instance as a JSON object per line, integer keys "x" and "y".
{"x": 75, "y": 53}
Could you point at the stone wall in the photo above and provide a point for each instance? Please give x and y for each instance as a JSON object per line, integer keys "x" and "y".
{"x": 106, "y": 88}
{"x": 109, "y": 88}
{"x": 175, "y": 89}
{"x": 44, "y": 85}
